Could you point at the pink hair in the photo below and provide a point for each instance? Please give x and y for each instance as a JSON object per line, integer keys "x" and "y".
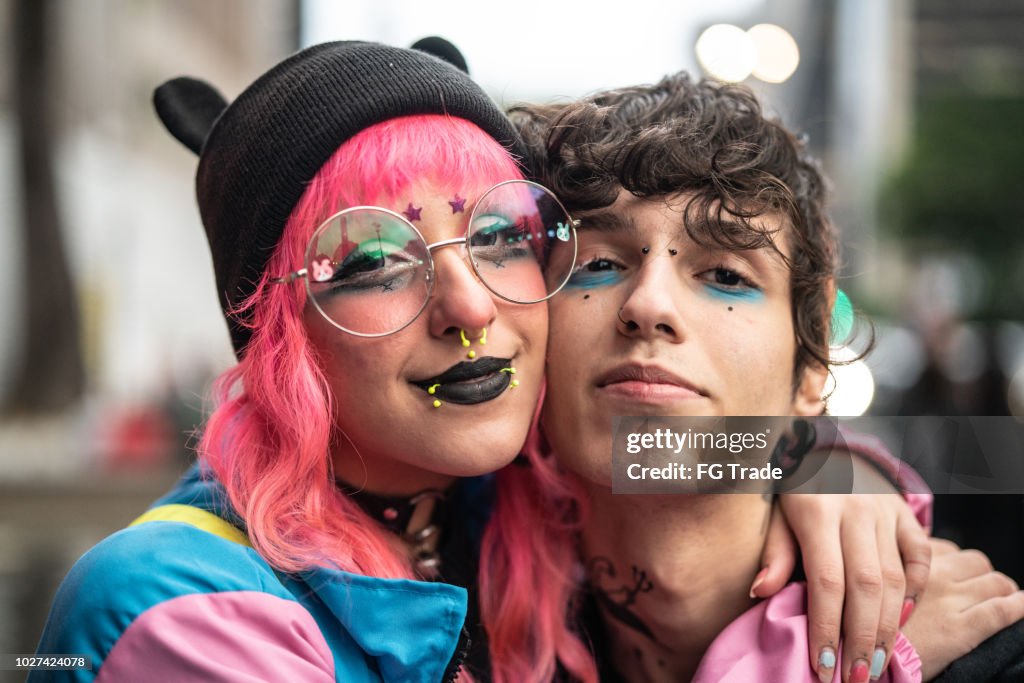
{"x": 530, "y": 550}
{"x": 268, "y": 439}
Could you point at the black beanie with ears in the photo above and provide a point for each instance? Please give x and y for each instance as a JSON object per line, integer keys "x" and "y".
{"x": 258, "y": 153}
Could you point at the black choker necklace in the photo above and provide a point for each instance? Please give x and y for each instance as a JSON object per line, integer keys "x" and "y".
{"x": 416, "y": 520}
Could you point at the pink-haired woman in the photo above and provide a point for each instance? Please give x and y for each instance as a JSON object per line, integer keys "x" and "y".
{"x": 380, "y": 263}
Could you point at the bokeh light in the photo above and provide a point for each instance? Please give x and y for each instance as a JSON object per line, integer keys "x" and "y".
{"x": 850, "y": 388}
{"x": 777, "y": 53}
{"x": 726, "y": 52}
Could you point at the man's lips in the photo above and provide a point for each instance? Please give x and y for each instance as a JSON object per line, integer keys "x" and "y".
{"x": 467, "y": 383}
{"x": 647, "y": 383}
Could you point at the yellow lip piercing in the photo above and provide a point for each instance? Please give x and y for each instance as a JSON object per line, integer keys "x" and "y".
{"x": 432, "y": 389}
{"x": 511, "y": 371}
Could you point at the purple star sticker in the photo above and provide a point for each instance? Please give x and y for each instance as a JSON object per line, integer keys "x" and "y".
{"x": 458, "y": 204}
{"x": 412, "y": 212}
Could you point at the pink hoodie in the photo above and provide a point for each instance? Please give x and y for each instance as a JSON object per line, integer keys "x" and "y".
{"x": 769, "y": 641}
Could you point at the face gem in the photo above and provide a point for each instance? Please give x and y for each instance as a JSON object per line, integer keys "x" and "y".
{"x": 458, "y": 204}
{"x": 413, "y": 212}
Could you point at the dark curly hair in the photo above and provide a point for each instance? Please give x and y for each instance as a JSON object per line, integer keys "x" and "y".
{"x": 714, "y": 143}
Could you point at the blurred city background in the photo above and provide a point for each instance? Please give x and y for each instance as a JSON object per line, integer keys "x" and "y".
{"x": 111, "y": 332}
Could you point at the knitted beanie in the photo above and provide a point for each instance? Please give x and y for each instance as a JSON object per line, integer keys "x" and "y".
{"x": 257, "y": 154}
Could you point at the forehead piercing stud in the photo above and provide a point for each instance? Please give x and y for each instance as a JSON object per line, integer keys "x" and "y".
{"x": 645, "y": 250}
{"x": 412, "y": 212}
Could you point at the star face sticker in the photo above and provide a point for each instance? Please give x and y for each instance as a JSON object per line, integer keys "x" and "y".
{"x": 458, "y": 204}
{"x": 413, "y": 212}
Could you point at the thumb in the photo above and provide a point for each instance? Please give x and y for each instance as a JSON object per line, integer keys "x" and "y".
{"x": 778, "y": 559}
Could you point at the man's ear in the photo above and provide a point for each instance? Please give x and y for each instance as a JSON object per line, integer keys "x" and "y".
{"x": 807, "y": 400}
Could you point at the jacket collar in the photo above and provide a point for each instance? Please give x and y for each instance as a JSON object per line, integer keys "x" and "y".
{"x": 410, "y": 627}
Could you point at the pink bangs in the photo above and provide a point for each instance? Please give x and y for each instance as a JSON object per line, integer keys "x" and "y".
{"x": 384, "y": 161}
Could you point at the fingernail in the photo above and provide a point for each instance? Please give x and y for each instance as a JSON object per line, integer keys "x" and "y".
{"x": 826, "y": 664}
{"x": 859, "y": 671}
{"x": 877, "y": 661}
{"x": 757, "y": 582}
{"x": 908, "y": 609}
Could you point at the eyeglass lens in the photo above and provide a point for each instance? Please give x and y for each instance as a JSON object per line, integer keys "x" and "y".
{"x": 369, "y": 269}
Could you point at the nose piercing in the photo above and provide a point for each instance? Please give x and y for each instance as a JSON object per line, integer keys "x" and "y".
{"x": 645, "y": 250}
{"x": 630, "y": 325}
{"x": 465, "y": 342}
{"x": 673, "y": 252}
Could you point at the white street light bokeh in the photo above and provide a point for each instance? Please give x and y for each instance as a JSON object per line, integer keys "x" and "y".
{"x": 726, "y": 52}
{"x": 777, "y": 53}
{"x": 850, "y": 388}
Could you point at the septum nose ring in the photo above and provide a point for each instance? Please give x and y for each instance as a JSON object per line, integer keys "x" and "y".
{"x": 482, "y": 340}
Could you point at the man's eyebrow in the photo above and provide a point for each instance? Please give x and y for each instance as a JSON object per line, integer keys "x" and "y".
{"x": 737, "y": 228}
{"x": 607, "y": 222}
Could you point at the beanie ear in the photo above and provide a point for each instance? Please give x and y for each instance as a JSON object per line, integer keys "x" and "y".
{"x": 188, "y": 108}
{"x": 442, "y": 49}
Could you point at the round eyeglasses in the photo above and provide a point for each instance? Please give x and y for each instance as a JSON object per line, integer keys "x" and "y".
{"x": 370, "y": 272}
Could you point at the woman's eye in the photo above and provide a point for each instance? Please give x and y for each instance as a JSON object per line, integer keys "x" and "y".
{"x": 360, "y": 261}
{"x": 498, "y": 231}
{"x": 366, "y": 270}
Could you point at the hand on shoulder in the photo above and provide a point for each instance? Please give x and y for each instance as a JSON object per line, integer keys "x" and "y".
{"x": 964, "y": 602}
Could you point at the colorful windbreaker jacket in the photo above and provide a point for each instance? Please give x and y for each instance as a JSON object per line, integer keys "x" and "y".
{"x": 181, "y": 596}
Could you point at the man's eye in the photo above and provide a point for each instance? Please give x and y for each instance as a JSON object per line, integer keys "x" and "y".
{"x": 598, "y": 265}
{"x": 728, "y": 282}
{"x": 727, "y": 277}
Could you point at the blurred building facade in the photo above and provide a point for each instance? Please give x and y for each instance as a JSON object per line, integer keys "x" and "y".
{"x": 151, "y": 329}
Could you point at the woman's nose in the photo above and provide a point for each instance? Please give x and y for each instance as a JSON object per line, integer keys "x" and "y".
{"x": 459, "y": 300}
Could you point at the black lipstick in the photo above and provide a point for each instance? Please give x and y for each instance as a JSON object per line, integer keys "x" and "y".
{"x": 470, "y": 382}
